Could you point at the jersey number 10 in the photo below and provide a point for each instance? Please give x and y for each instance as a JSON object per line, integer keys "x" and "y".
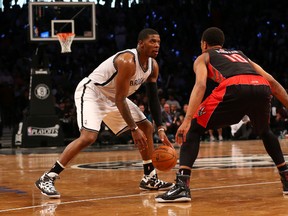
{"x": 236, "y": 58}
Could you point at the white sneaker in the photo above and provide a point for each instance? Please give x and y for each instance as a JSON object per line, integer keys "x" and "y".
{"x": 151, "y": 182}
{"x": 46, "y": 185}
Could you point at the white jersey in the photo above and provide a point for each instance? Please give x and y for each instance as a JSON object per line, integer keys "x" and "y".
{"x": 95, "y": 94}
{"x": 104, "y": 75}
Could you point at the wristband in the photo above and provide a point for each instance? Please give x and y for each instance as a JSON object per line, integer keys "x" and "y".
{"x": 134, "y": 129}
{"x": 161, "y": 129}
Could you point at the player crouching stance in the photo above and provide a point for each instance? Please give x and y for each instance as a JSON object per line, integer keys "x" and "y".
{"x": 244, "y": 89}
{"x": 103, "y": 96}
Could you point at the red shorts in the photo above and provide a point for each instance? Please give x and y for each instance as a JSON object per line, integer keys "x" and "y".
{"x": 235, "y": 97}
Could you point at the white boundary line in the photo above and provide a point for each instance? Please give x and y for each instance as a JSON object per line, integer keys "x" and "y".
{"x": 127, "y": 196}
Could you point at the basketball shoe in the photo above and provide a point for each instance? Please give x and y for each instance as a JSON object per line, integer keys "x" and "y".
{"x": 151, "y": 182}
{"x": 46, "y": 185}
{"x": 284, "y": 180}
{"x": 179, "y": 193}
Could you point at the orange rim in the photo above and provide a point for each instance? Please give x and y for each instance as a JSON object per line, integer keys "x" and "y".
{"x": 65, "y": 35}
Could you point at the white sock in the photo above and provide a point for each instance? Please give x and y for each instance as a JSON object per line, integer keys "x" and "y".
{"x": 147, "y": 161}
{"x": 52, "y": 174}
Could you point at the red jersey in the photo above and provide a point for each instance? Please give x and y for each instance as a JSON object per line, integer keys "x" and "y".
{"x": 225, "y": 63}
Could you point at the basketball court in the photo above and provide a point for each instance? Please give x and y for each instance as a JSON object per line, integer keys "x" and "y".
{"x": 229, "y": 178}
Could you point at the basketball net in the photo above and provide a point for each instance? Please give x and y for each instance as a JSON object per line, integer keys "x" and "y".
{"x": 65, "y": 40}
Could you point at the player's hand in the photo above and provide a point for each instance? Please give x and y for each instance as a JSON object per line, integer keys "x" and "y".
{"x": 182, "y": 131}
{"x": 164, "y": 139}
{"x": 140, "y": 139}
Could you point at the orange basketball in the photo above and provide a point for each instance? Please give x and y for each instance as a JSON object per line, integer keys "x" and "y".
{"x": 164, "y": 158}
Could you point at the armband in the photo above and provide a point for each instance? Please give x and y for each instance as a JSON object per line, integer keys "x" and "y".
{"x": 154, "y": 104}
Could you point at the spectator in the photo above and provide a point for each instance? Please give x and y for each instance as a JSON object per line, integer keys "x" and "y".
{"x": 172, "y": 101}
{"x": 175, "y": 113}
{"x": 146, "y": 112}
{"x": 242, "y": 130}
{"x": 162, "y": 103}
{"x": 212, "y": 137}
{"x": 279, "y": 125}
{"x": 174, "y": 57}
{"x": 168, "y": 122}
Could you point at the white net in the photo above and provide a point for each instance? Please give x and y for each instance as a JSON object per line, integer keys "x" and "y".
{"x": 65, "y": 40}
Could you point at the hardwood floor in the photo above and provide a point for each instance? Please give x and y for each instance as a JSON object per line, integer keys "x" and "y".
{"x": 229, "y": 178}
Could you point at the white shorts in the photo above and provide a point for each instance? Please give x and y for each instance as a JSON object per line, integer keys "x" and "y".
{"x": 93, "y": 107}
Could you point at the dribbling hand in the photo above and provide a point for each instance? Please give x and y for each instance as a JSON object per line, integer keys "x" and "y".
{"x": 164, "y": 139}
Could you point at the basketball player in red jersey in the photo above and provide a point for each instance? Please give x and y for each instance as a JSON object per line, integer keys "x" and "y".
{"x": 102, "y": 96}
{"x": 244, "y": 89}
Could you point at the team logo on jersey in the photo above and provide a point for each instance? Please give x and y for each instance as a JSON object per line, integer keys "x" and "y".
{"x": 201, "y": 163}
{"x": 42, "y": 91}
{"x": 201, "y": 111}
{"x": 136, "y": 82}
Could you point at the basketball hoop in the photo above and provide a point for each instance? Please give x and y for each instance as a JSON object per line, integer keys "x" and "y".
{"x": 65, "y": 40}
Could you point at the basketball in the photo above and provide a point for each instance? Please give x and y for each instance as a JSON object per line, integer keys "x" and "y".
{"x": 164, "y": 158}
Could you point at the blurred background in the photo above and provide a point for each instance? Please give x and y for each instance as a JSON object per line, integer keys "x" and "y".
{"x": 258, "y": 28}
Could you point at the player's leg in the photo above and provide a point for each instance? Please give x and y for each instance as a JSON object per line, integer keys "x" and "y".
{"x": 148, "y": 129}
{"x": 188, "y": 154}
{"x": 216, "y": 111}
{"x": 273, "y": 148}
{"x": 150, "y": 180}
{"x": 86, "y": 138}
{"x": 89, "y": 119}
{"x": 260, "y": 115}
{"x": 46, "y": 182}
{"x": 116, "y": 123}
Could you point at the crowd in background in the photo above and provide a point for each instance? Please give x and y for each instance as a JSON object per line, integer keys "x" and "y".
{"x": 258, "y": 28}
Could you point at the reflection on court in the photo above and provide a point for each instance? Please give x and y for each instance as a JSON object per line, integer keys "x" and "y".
{"x": 229, "y": 178}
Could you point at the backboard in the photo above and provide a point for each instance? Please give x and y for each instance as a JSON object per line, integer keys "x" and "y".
{"x": 46, "y": 19}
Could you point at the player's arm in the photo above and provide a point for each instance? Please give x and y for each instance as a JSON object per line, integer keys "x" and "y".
{"x": 152, "y": 93}
{"x": 154, "y": 103}
{"x": 125, "y": 64}
{"x": 126, "y": 67}
{"x": 199, "y": 88}
{"x": 277, "y": 89}
{"x": 196, "y": 96}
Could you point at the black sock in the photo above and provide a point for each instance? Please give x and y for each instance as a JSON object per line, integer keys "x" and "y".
{"x": 282, "y": 168}
{"x": 148, "y": 168}
{"x": 57, "y": 168}
{"x": 185, "y": 172}
{"x": 185, "y": 178}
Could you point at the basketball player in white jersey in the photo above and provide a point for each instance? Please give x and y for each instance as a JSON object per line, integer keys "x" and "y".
{"x": 102, "y": 96}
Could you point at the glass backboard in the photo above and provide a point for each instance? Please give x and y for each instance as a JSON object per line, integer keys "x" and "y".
{"x": 47, "y": 19}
